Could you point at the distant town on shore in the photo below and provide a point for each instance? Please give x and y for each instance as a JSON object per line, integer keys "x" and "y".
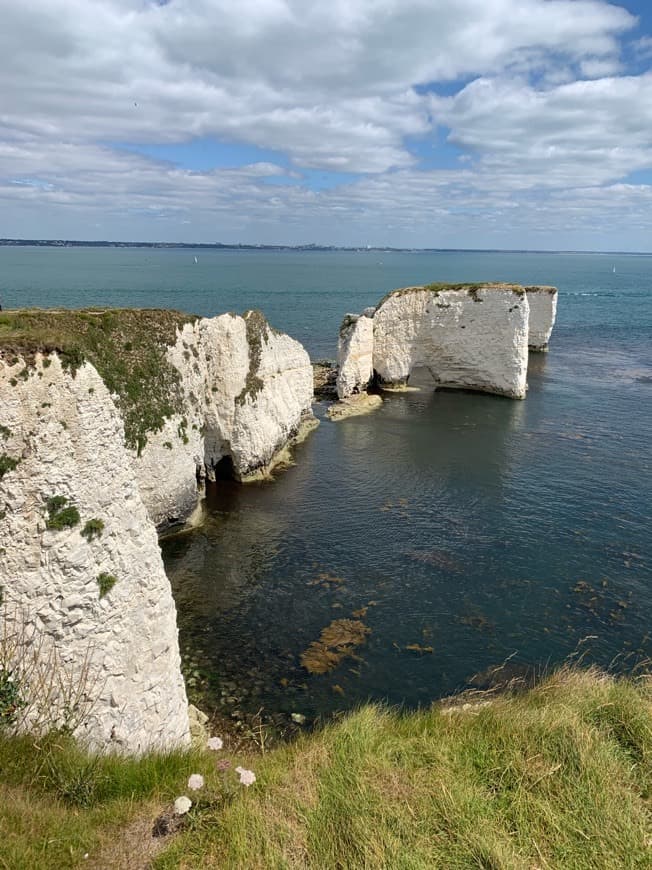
{"x": 211, "y": 246}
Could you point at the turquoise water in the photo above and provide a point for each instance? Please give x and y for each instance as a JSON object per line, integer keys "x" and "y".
{"x": 477, "y": 526}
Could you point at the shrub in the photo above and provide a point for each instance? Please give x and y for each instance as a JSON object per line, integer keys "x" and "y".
{"x": 10, "y": 697}
{"x": 106, "y": 582}
{"x": 7, "y": 463}
{"x": 93, "y": 529}
{"x": 62, "y": 513}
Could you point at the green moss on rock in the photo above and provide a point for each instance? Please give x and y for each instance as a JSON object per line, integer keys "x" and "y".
{"x": 106, "y": 582}
{"x": 62, "y": 513}
{"x": 7, "y": 463}
{"x": 127, "y": 347}
{"x": 93, "y": 529}
{"x": 439, "y": 287}
{"x": 258, "y": 330}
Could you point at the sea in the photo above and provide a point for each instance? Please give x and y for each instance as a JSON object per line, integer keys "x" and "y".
{"x": 471, "y": 535}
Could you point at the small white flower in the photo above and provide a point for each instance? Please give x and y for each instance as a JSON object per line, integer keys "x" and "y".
{"x": 247, "y": 777}
{"x": 182, "y": 805}
{"x": 214, "y": 743}
{"x": 196, "y": 781}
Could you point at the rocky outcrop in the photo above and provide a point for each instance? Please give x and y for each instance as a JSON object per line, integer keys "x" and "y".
{"x": 108, "y": 420}
{"x": 468, "y": 336}
{"x": 325, "y": 379}
{"x": 246, "y": 392}
{"x": 88, "y": 615}
{"x": 354, "y": 406}
{"x": 543, "y": 311}
{"x": 355, "y": 353}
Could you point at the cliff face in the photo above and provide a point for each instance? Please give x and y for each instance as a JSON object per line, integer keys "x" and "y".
{"x": 92, "y": 458}
{"x": 119, "y": 648}
{"x": 355, "y": 352}
{"x": 246, "y": 389}
{"x": 469, "y": 336}
{"x": 543, "y": 311}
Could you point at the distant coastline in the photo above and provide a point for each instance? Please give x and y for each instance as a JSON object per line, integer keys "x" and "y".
{"x": 219, "y": 246}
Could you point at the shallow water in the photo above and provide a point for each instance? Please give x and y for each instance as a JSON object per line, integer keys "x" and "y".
{"x": 477, "y": 526}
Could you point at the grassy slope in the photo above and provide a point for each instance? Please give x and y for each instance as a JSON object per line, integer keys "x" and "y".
{"x": 126, "y": 346}
{"x": 558, "y": 777}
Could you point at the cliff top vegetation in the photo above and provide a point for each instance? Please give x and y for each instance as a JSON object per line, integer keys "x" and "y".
{"x": 556, "y": 777}
{"x": 469, "y": 287}
{"x": 127, "y": 346}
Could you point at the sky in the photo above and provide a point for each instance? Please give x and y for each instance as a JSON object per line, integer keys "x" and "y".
{"x": 407, "y": 123}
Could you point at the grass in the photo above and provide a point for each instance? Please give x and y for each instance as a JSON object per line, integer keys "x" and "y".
{"x": 58, "y": 804}
{"x": 126, "y": 346}
{"x": 559, "y": 776}
{"x": 258, "y": 330}
{"x": 437, "y": 287}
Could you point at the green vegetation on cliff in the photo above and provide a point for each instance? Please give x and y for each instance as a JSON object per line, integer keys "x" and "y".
{"x": 258, "y": 331}
{"x": 557, "y": 777}
{"x": 127, "y": 347}
{"x": 437, "y": 287}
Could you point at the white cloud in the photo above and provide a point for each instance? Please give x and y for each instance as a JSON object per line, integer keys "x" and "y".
{"x": 581, "y": 133}
{"x": 331, "y": 85}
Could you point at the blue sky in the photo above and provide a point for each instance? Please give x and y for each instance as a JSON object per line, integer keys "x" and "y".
{"x": 501, "y": 123}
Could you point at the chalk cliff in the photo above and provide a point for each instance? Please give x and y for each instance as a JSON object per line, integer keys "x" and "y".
{"x": 469, "y": 336}
{"x": 355, "y": 353}
{"x": 246, "y": 390}
{"x": 543, "y": 311}
{"x": 119, "y": 648}
{"x": 107, "y": 420}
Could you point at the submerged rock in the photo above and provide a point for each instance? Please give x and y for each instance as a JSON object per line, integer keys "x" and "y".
{"x": 337, "y": 641}
{"x": 354, "y": 406}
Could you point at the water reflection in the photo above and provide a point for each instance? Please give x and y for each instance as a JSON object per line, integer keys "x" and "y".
{"x": 461, "y": 529}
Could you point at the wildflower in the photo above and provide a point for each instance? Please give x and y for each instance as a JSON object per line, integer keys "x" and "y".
{"x": 182, "y": 805}
{"x": 223, "y": 764}
{"x": 214, "y": 743}
{"x": 196, "y": 781}
{"x": 247, "y": 777}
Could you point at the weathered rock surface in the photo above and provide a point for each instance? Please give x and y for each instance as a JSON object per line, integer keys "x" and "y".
{"x": 543, "y": 311}
{"x": 355, "y": 354}
{"x": 246, "y": 391}
{"x": 467, "y": 336}
{"x": 121, "y": 649}
{"x": 325, "y": 379}
{"x": 354, "y": 406}
{"x": 95, "y": 607}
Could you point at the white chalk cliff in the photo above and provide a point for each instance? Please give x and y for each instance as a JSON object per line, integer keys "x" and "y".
{"x": 247, "y": 390}
{"x": 468, "y": 336}
{"x": 88, "y": 596}
{"x": 543, "y": 311}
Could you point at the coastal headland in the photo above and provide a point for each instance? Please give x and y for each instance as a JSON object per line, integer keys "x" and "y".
{"x": 114, "y": 418}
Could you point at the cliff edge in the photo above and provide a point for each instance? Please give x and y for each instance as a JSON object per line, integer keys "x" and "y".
{"x": 109, "y": 417}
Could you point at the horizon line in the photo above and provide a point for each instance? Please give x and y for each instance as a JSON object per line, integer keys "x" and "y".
{"x": 312, "y": 246}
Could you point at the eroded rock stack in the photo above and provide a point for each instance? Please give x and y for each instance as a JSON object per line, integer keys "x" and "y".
{"x": 468, "y": 336}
